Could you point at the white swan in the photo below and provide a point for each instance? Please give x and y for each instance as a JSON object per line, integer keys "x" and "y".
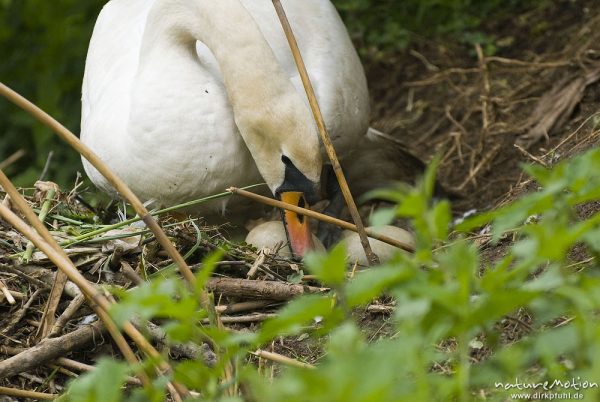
{"x": 183, "y": 98}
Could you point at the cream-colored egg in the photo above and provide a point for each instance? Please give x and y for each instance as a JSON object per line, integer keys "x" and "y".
{"x": 383, "y": 250}
{"x": 269, "y": 234}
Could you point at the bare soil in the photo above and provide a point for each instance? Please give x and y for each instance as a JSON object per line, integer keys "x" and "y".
{"x": 441, "y": 98}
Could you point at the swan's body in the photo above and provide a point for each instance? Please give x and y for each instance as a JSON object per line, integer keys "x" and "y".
{"x": 184, "y": 98}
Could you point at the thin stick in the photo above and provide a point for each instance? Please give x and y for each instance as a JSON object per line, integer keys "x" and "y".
{"x": 22, "y": 393}
{"x": 97, "y": 299}
{"x": 42, "y": 217}
{"x": 321, "y": 217}
{"x": 74, "y": 364}
{"x": 108, "y": 228}
{"x": 244, "y": 306}
{"x": 71, "y": 309}
{"x": 9, "y": 297}
{"x": 60, "y": 279}
{"x": 112, "y": 178}
{"x": 314, "y": 105}
{"x": 12, "y": 159}
{"x": 530, "y": 156}
{"x": 276, "y": 357}
{"x": 567, "y": 138}
{"x": 486, "y": 88}
{"x": 23, "y": 275}
{"x": 487, "y": 158}
{"x": 22, "y": 312}
{"x": 46, "y": 166}
{"x": 240, "y": 319}
{"x": 13, "y": 293}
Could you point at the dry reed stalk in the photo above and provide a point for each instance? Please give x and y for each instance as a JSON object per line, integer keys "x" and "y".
{"x": 97, "y": 300}
{"x": 60, "y": 280}
{"x": 22, "y": 393}
{"x": 276, "y": 357}
{"x": 112, "y": 178}
{"x": 126, "y": 193}
{"x": 48, "y": 198}
{"x": 7, "y": 295}
{"x": 314, "y": 105}
{"x": 322, "y": 217}
{"x": 12, "y": 159}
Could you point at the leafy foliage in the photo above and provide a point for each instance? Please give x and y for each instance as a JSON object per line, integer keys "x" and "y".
{"x": 449, "y": 303}
{"x": 383, "y": 25}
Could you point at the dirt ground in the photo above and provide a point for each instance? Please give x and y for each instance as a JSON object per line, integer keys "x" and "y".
{"x": 539, "y": 90}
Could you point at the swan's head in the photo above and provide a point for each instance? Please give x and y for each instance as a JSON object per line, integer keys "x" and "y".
{"x": 284, "y": 143}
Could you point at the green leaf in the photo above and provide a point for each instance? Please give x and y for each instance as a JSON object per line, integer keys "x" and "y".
{"x": 383, "y": 216}
{"x": 368, "y": 285}
{"x": 297, "y": 314}
{"x": 156, "y": 298}
{"x": 208, "y": 266}
{"x": 295, "y": 277}
{"x": 440, "y": 220}
{"x": 414, "y": 309}
{"x": 592, "y": 239}
{"x": 329, "y": 268}
{"x": 347, "y": 338}
{"x": 101, "y": 385}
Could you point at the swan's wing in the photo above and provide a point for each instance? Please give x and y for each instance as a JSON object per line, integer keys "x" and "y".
{"x": 109, "y": 70}
{"x": 111, "y": 64}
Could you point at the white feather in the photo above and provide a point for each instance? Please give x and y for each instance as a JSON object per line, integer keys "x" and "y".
{"x": 176, "y": 122}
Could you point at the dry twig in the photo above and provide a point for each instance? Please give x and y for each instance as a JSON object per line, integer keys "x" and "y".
{"x": 319, "y": 216}
{"x": 21, "y": 393}
{"x": 314, "y": 105}
{"x": 276, "y": 357}
{"x": 12, "y": 159}
{"x": 7, "y": 295}
{"x": 99, "y": 302}
{"x": 259, "y": 289}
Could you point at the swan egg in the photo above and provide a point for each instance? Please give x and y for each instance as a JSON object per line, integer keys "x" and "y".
{"x": 384, "y": 251}
{"x": 270, "y": 234}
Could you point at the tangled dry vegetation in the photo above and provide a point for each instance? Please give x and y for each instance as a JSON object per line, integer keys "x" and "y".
{"x": 488, "y": 114}
{"x": 483, "y": 114}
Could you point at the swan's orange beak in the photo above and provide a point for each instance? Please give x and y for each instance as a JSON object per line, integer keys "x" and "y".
{"x": 296, "y": 226}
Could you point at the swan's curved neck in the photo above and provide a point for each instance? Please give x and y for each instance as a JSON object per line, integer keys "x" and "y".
{"x": 265, "y": 104}
{"x": 253, "y": 78}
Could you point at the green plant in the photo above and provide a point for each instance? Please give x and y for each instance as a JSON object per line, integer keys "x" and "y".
{"x": 449, "y": 302}
{"x": 381, "y": 26}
